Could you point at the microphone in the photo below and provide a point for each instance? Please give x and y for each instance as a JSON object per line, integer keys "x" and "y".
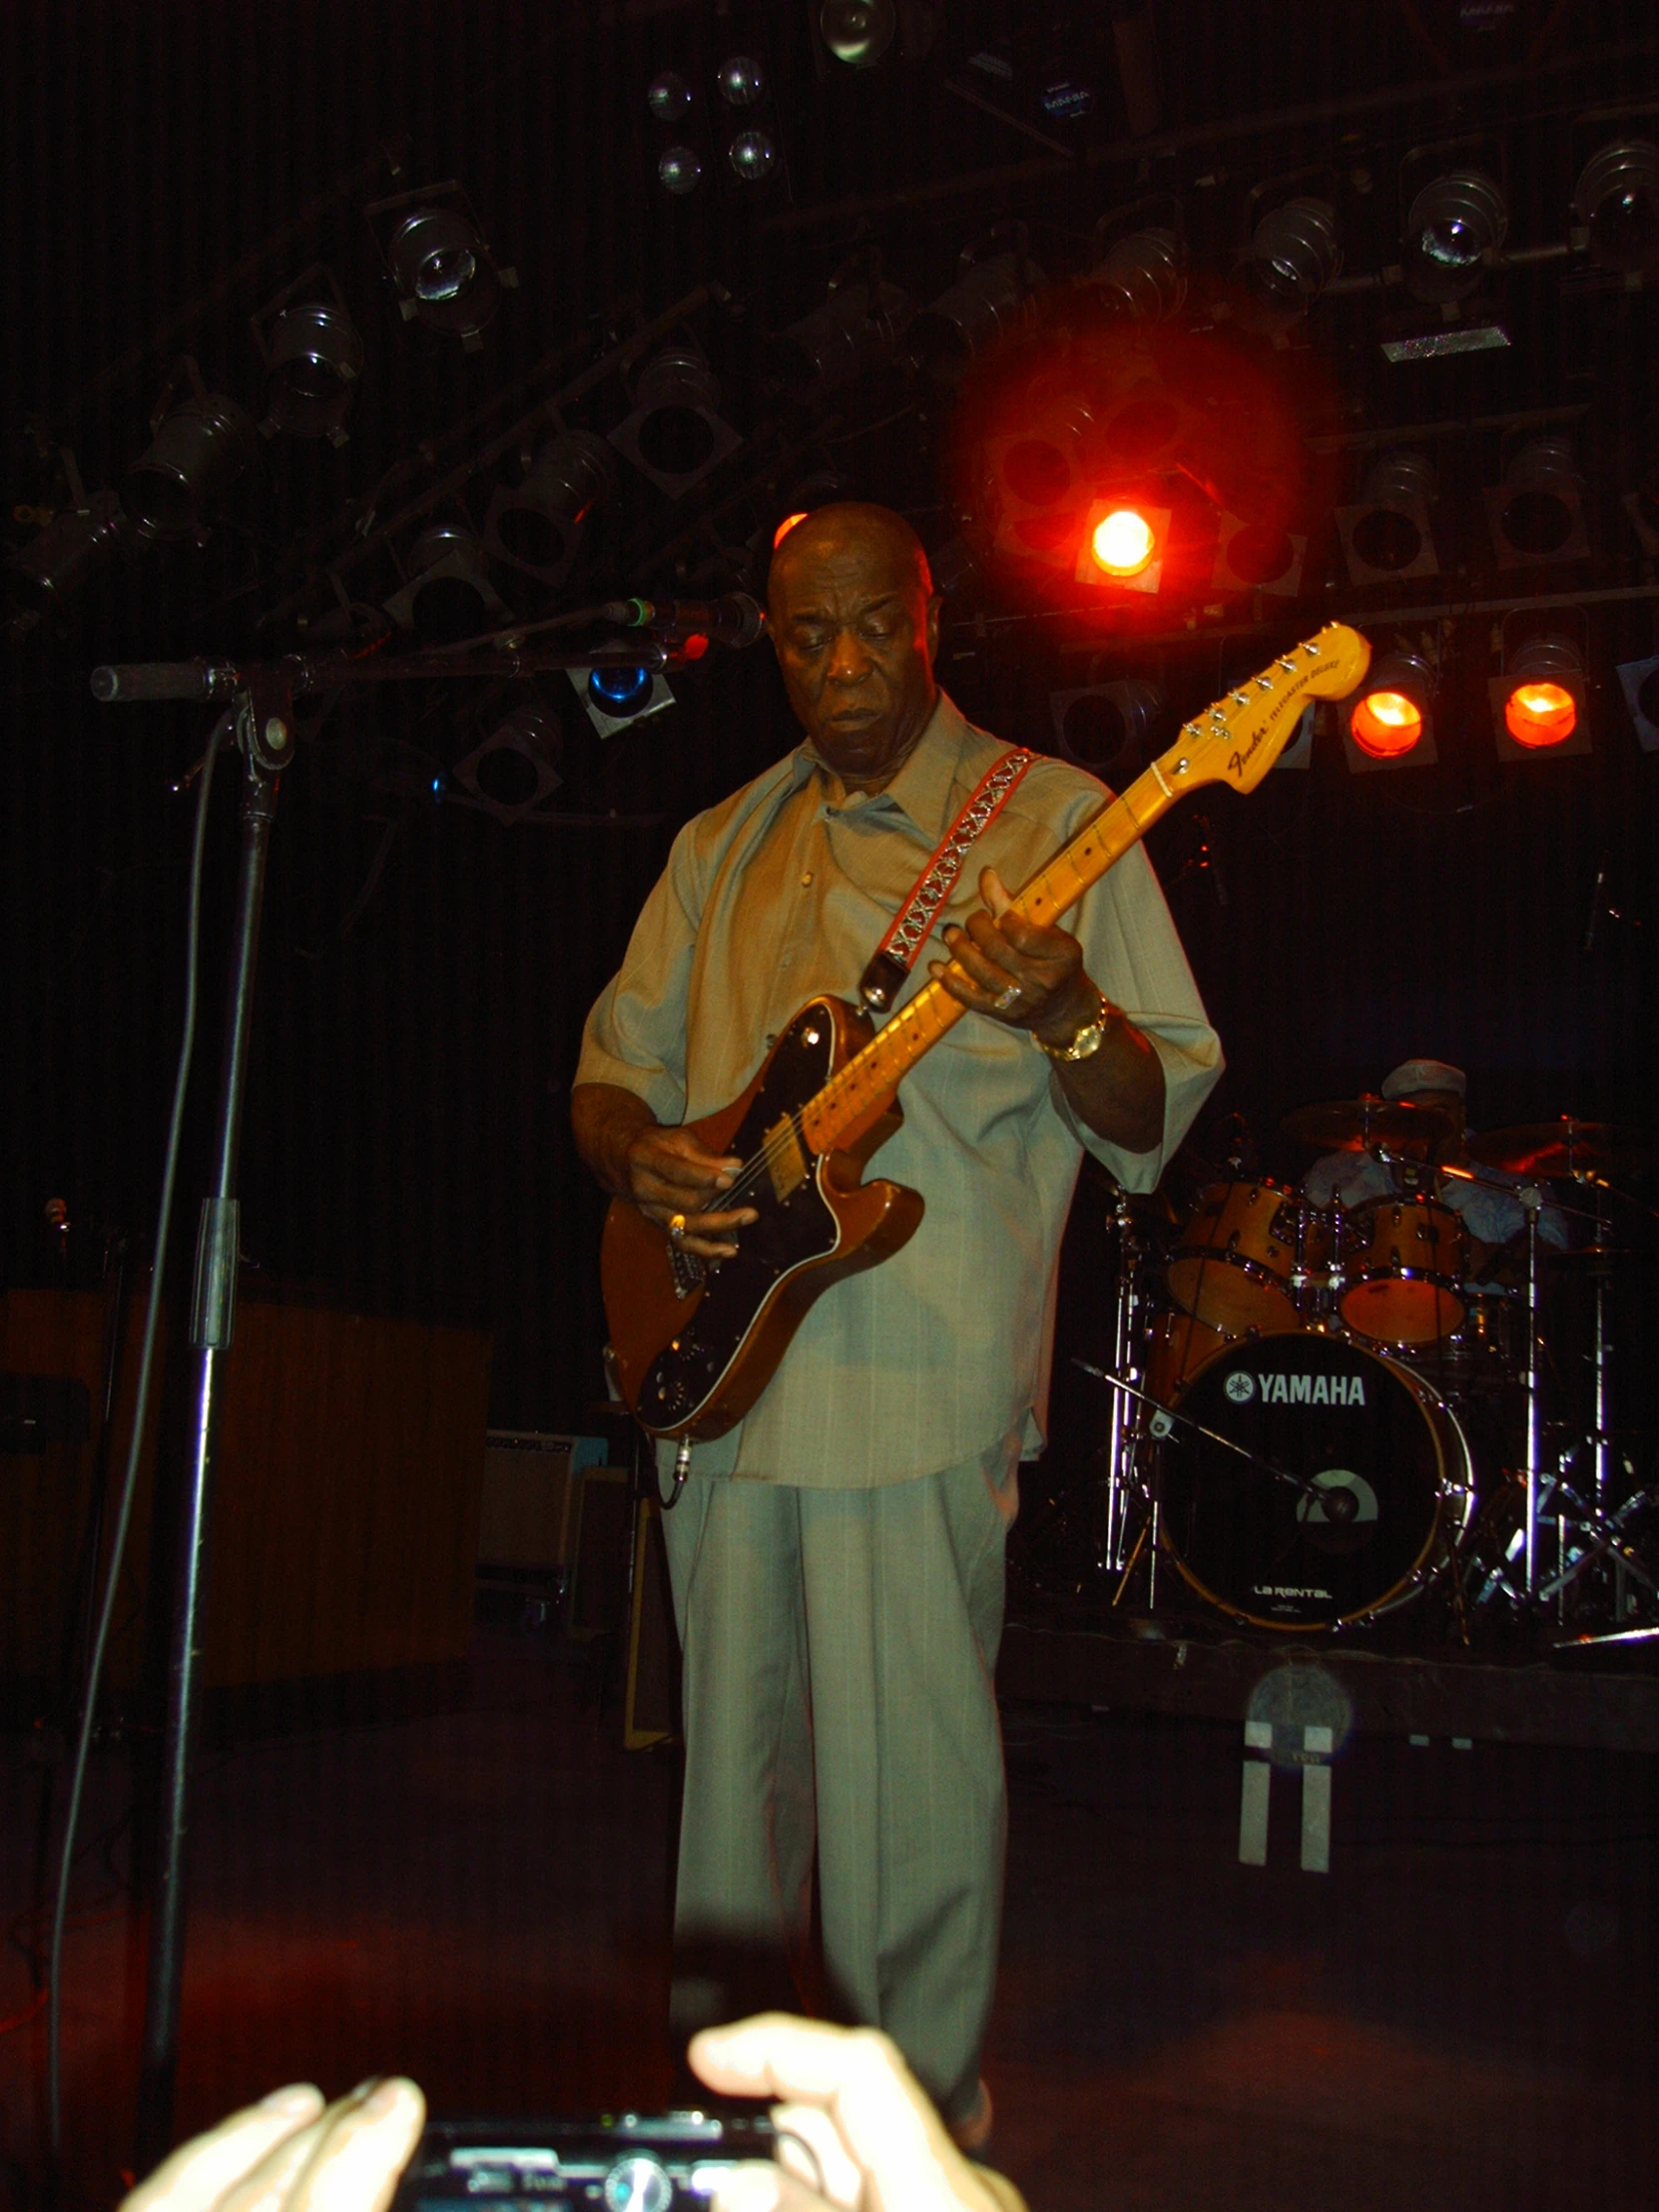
{"x": 735, "y": 619}
{"x": 163, "y": 680}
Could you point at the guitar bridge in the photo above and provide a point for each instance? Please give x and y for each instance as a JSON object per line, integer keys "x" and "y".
{"x": 687, "y": 1270}
{"x": 786, "y": 1162}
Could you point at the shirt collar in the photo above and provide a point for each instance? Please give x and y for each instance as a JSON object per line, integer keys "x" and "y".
{"x": 925, "y": 788}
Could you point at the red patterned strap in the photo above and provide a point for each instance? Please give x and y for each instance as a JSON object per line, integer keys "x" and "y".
{"x": 897, "y": 955}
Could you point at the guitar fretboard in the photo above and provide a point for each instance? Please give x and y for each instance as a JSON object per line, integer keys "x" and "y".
{"x": 855, "y": 1099}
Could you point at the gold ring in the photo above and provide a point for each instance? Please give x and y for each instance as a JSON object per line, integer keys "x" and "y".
{"x": 677, "y": 1226}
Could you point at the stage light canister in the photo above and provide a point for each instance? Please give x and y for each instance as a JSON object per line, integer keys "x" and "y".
{"x": 1123, "y": 542}
{"x": 785, "y": 527}
{"x": 1386, "y": 724}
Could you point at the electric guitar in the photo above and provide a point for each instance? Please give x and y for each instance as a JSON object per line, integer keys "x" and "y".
{"x": 694, "y": 1344}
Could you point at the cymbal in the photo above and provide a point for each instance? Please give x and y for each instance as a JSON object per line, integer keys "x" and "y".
{"x": 1560, "y": 1149}
{"x": 1357, "y": 1124}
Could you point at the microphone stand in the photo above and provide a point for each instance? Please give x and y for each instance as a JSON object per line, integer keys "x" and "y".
{"x": 260, "y": 719}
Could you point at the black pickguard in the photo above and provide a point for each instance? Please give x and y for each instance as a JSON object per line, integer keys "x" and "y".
{"x": 799, "y": 1228}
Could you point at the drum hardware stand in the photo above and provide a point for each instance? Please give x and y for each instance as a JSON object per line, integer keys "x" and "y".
{"x": 1122, "y": 1432}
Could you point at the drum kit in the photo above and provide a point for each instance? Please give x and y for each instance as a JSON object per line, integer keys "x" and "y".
{"x": 1319, "y": 1413}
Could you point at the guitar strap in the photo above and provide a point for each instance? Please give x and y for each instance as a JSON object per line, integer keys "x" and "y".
{"x": 896, "y": 956}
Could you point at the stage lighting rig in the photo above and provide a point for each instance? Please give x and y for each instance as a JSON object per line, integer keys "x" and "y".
{"x": 675, "y": 436}
{"x": 198, "y": 450}
{"x": 1541, "y": 701}
{"x": 855, "y": 331}
{"x": 1107, "y": 729}
{"x": 448, "y": 595}
{"x": 1293, "y": 254}
{"x": 1455, "y": 225}
{"x": 1390, "y": 723}
{"x": 1616, "y": 206}
{"x": 539, "y": 527}
{"x": 992, "y": 298}
{"x": 1642, "y": 506}
{"x": 1258, "y": 556}
{"x": 1122, "y": 545}
{"x": 616, "y": 698}
{"x": 515, "y": 770}
{"x": 1536, "y": 515}
{"x": 669, "y": 97}
{"x": 856, "y": 32}
{"x": 1639, "y": 681}
{"x": 439, "y": 263}
{"x": 1387, "y": 536}
{"x": 314, "y": 357}
{"x": 72, "y": 548}
{"x": 1144, "y": 274}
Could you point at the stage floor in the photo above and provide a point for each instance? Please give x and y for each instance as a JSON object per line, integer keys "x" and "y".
{"x": 1459, "y": 2014}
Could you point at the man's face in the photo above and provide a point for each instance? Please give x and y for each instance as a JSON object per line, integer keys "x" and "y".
{"x": 856, "y": 636}
{"x": 1451, "y": 1104}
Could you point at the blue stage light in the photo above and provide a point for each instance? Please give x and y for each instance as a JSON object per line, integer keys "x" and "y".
{"x": 619, "y": 691}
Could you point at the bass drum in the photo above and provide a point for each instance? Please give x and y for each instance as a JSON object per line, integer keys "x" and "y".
{"x": 1309, "y": 1482}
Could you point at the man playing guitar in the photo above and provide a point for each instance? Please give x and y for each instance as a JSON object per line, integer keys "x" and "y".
{"x": 836, "y": 1558}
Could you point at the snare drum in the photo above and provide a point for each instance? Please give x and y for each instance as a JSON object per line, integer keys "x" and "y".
{"x": 1405, "y": 1260}
{"x": 1237, "y": 1253}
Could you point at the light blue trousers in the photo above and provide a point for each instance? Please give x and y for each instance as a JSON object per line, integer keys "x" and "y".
{"x": 840, "y": 1659}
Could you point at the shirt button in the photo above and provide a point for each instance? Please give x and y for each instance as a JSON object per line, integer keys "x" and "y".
{"x": 807, "y": 879}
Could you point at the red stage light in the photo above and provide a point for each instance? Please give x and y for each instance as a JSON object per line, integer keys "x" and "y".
{"x": 1123, "y": 542}
{"x": 784, "y": 528}
{"x": 1386, "y": 725}
{"x": 1539, "y": 714}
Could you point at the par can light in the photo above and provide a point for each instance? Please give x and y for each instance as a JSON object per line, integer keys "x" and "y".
{"x": 1539, "y": 701}
{"x": 196, "y": 452}
{"x": 1617, "y": 206}
{"x": 857, "y": 32}
{"x": 1123, "y": 542}
{"x": 1390, "y": 723}
{"x": 1453, "y": 225}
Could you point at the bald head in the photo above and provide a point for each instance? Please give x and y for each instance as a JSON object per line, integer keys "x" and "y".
{"x": 858, "y": 525}
{"x": 855, "y": 623}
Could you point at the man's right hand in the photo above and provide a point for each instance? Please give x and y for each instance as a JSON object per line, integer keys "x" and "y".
{"x": 668, "y": 1175}
{"x": 672, "y": 1178}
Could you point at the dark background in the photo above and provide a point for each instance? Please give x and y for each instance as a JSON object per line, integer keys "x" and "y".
{"x": 407, "y": 1143}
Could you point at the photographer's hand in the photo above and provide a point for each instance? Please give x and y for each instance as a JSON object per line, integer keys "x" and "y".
{"x": 876, "y": 2141}
{"x": 292, "y": 2153}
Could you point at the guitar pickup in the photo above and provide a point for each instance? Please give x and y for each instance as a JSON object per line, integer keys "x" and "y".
{"x": 786, "y": 1162}
{"x": 687, "y": 1270}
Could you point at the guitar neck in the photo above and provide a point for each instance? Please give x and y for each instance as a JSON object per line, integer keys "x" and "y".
{"x": 855, "y": 1099}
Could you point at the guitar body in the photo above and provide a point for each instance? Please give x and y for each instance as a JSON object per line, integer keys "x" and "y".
{"x": 692, "y": 1345}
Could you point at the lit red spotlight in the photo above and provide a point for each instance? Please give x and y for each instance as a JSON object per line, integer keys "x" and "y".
{"x": 785, "y": 527}
{"x": 1391, "y": 723}
{"x": 1540, "y": 714}
{"x": 1386, "y": 725}
{"x": 1123, "y": 542}
{"x": 1538, "y": 702}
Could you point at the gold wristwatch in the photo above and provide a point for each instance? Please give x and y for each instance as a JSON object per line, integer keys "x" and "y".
{"x": 1086, "y": 1042}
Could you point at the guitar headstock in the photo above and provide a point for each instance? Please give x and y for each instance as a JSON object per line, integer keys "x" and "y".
{"x": 1238, "y": 738}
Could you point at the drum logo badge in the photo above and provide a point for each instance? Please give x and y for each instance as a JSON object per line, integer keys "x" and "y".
{"x": 1303, "y": 1390}
{"x": 1241, "y": 1387}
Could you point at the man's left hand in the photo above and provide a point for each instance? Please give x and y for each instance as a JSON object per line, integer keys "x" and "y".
{"x": 1025, "y": 974}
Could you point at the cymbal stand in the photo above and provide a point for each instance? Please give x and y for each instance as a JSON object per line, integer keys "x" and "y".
{"x": 1532, "y": 1200}
{"x": 1123, "y": 1420}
